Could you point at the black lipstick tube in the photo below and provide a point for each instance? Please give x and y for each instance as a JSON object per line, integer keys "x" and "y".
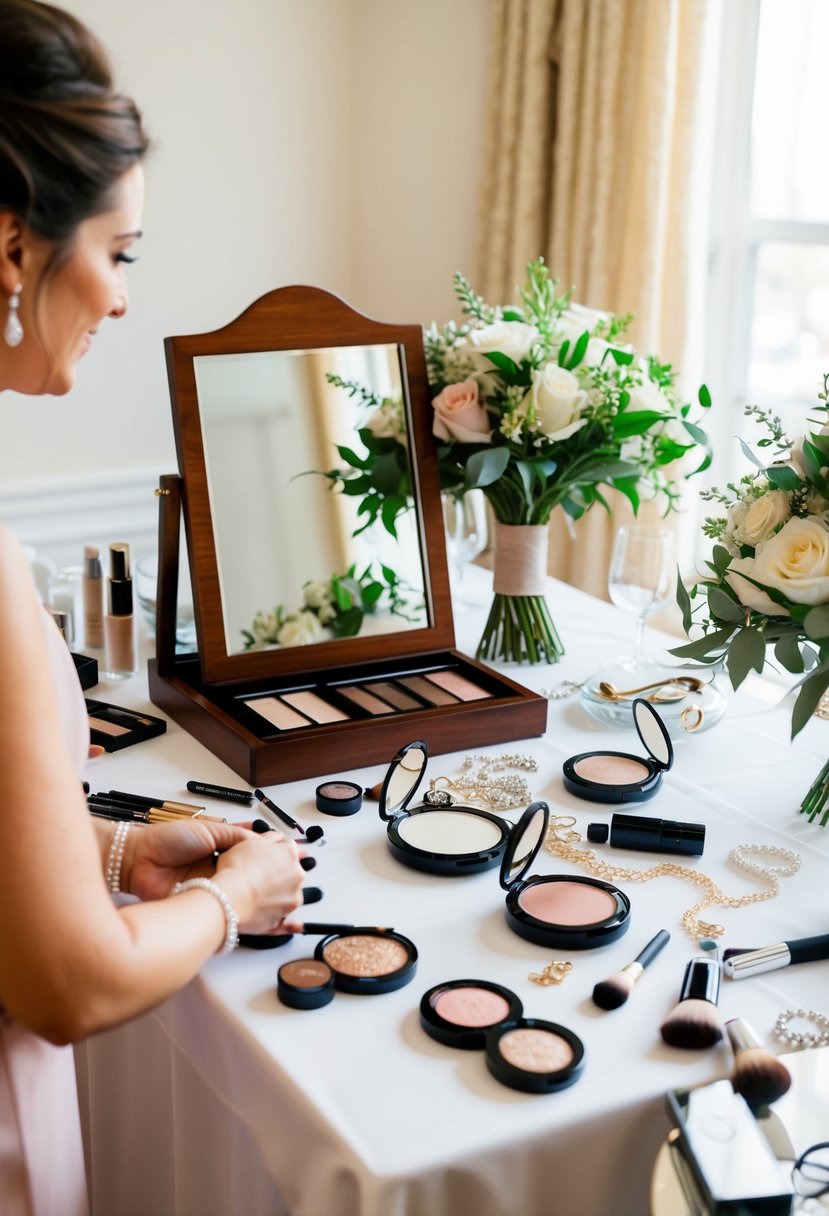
{"x": 650, "y": 835}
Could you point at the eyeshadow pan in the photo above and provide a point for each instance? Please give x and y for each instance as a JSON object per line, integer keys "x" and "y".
{"x": 611, "y": 770}
{"x": 427, "y": 691}
{"x": 470, "y": 1006}
{"x": 306, "y": 973}
{"x": 567, "y": 903}
{"x": 278, "y": 714}
{"x": 365, "y": 700}
{"x": 108, "y": 728}
{"x": 534, "y": 1050}
{"x": 464, "y": 689}
{"x": 312, "y": 705}
{"x": 449, "y": 832}
{"x": 365, "y": 955}
{"x": 394, "y": 695}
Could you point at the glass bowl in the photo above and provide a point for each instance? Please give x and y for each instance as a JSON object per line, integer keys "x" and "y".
{"x": 696, "y": 711}
{"x": 145, "y": 577}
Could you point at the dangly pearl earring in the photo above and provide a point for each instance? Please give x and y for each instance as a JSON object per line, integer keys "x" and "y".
{"x": 13, "y": 332}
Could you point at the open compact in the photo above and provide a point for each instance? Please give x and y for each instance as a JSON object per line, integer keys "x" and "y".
{"x": 563, "y": 910}
{"x": 524, "y": 1053}
{"x": 438, "y": 836}
{"x": 620, "y": 776}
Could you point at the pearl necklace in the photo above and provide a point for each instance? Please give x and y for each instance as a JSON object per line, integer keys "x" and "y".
{"x": 489, "y": 784}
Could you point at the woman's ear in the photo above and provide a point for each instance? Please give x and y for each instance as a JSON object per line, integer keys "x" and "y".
{"x": 11, "y": 251}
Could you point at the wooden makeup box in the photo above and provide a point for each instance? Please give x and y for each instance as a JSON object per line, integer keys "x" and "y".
{"x": 256, "y": 417}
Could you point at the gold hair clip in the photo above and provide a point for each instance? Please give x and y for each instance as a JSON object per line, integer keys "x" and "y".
{"x": 554, "y": 973}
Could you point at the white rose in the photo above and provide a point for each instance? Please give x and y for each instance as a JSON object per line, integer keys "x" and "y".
{"x": 317, "y": 593}
{"x": 570, "y": 326}
{"x": 762, "y": 518}
{"x": 301, "y": 629}
{"x": 512, "y": 338}
{"x": 556, "y": 400}
{"x": 387, "y": 421}
{"x": 649, "y": 396}
{"x": 795, "y": 561}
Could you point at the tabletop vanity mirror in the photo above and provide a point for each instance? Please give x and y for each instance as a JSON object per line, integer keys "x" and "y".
{"x": 323, "y": 619}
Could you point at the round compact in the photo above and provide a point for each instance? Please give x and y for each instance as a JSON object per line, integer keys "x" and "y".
{"x": 535, "y": 1056}
{"x": 460, "y": 1013}
{"x": 620, "y": 776}
{"x": 368, "y": 961}
{"x": 339, "y": 797}
{"x": 563, "y": 910}
{"x": 305, "y": 983}
{"x": 438, "y": 836}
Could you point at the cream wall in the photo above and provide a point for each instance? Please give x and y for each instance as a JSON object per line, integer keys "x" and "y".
{"x": 324, "y": 141}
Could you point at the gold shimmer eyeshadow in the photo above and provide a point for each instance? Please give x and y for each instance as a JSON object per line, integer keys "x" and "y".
{"x": 107, "y": 728}
{"x": 394, "y": 695}
{"x": 452, "y": 681}
{"x": 611, "y": 770}
{"x": 535, "y": 1050}
{"x": 366, "y": 700}
{"x": 365, "y": 955}
{"x": 314, "y": 707}
{"x": 279, "y": 715}
{"x": 428, "y": 691}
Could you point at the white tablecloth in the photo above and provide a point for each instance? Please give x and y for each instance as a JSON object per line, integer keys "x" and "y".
{"x": 224, "y": 1101}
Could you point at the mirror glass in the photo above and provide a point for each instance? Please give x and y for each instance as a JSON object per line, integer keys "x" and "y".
{"x": 402, "y": 780}
{"x": 527, "y": 839}
{"x": 653, "y": 733}
{"x": 292, "y": 572}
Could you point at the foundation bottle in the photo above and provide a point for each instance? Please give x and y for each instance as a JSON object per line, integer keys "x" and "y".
{"x": 93, "y": 598}
{"x": 119, "y": 632}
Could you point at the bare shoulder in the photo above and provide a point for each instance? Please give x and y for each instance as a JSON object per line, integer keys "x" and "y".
{"x": 12, "y": 558}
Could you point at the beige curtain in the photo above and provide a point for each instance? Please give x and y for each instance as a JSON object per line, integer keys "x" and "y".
{"x": 589, "y": 142}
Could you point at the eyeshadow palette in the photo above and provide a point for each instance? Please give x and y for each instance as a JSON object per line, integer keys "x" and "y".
{"x": 114, "y": 727}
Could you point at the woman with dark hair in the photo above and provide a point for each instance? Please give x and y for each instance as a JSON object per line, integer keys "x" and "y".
{"x": 71, "y": 962}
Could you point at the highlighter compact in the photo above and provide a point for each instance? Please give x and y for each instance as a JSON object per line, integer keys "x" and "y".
{"x": 621, "y": 776}
{"x": 437, "y": 836}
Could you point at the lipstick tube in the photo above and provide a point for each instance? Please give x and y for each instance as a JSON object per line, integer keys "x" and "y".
{"x": 119, "y": 633}
{"x": 650, "y": 835}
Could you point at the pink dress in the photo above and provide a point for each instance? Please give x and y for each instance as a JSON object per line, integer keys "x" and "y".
{"x": 41, "y": 1153}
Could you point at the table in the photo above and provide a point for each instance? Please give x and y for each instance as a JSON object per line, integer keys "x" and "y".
{"x": 224, "y": 1101}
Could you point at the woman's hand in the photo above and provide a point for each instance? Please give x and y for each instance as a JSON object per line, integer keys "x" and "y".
{"x": 263, "y": 879}
{"x": 161, "y": 854}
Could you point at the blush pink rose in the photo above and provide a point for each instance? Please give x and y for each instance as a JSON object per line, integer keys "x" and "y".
{"x": 459, "y": 414}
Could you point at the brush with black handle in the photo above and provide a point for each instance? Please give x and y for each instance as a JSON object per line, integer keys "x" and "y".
{"x": 695, "y": 1022}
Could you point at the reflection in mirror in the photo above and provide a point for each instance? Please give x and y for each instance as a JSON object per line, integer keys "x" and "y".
{"x": 652, "y": 731}
{"x": 403, "y": 779}
{"x": 528, "y": 842}
{"x": 291, "y": 570}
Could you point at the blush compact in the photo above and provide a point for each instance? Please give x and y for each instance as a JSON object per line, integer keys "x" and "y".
{"x": 621, "y": 776}
{"x": 460, "y": 1013}
{"x": 437, "y": 836}
{"x": 567, "y": 911}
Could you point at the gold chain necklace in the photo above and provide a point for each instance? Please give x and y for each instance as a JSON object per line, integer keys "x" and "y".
{"x": 561, "y": 839}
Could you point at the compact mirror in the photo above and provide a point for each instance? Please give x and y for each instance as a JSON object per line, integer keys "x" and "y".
{"x": 402, "y": 779}
{"x": 526, "y": 839}
{"x": 652, "y": 732}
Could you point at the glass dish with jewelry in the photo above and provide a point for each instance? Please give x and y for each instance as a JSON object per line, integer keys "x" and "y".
{"x": 689, "y": 700}
{"x": 439, "y": 836}
{"x": 622, "y": 776}
{"x": 562, "y": 910}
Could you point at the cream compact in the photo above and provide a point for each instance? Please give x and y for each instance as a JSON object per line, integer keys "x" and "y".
{"x": 438, "y": 836}
{"x": 524, "y": 1053}
{"x": 562, "y": 910}
{"x": 620, "y": 776}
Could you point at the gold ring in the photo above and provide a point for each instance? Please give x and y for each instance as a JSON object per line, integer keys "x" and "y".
{"x": 692, "y": 718}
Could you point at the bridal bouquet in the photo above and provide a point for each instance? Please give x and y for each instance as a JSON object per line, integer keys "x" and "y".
{"x": 769, "y": 570}
{"x": 539, "y": 404}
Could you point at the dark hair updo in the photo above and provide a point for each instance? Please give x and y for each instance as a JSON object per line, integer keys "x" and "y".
{"x": 66, "y": 136}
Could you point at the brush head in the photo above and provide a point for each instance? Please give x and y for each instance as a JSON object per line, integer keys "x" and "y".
{"x": 760, "y": 1077}
{"x": 611, "y": 993}
{"x": 694, "y": 1023}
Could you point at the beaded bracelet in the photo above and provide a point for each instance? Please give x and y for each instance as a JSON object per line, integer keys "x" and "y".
{"x": 231, "y": 920}
{"x": 115, "y": 856}
{"x": 803, "y": 1038}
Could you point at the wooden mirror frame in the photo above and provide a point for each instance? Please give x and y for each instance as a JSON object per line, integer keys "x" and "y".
{"x": 299, "y": 318}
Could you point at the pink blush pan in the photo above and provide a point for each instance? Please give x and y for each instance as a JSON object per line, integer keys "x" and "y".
{"x": 567, "y": 903}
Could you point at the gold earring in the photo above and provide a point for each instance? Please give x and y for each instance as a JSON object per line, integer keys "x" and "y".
{"x": 692, "y": 718}
{"x": 554, "y": 973}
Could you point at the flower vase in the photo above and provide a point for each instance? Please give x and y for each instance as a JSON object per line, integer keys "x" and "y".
{"x": 519, "y": 626}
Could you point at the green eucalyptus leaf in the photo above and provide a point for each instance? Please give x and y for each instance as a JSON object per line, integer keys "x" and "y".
{"x": 782, "y": 477}
{"x": 629, "y": 487}
{"x": 747, "y": 452}
{"x": 683, "y": 601}
{"x": 816, "y": 623}
{"x": 704, "y": 397}
{"x": 485, "y": 467}
{"x": 350, "y": 457}
{"x": 812, "y": 688}
{"x": 696, "y": 432}
{"x": 503, "y": 363}
{"x": 708, "y": 648}
{"x": 747, "y": 652}
{"x": 721, "y": 558}
{"x": 635, "y": 422}
{"x": 788, "y": 654}
{"x": 723, "y": 606}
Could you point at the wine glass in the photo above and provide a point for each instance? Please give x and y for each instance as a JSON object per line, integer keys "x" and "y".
{"x": 641, "y": 576}
{"x": 465, "y": 523}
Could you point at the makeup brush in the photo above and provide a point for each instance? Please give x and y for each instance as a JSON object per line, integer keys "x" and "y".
{"x": 757, "y": 1073}
{"x": 739, "y": 963}
{"x": 694, "y": 1022}
{"x": 611, "y": 993}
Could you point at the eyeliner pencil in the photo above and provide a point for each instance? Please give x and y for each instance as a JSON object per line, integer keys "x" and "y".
{"x": 128, "y": 810}
{"x": 166, "y": 803}
{"x": 135, "y": 816}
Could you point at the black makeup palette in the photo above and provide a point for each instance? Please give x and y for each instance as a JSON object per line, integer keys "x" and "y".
{"x": 437, "y": 836}
{"x": 114, "y": 727}
{"x": 614, "y": 777}
{"x": 567, "y": 911}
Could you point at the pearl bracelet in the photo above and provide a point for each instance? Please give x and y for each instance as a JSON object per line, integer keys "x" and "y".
{"x": 231, "y": 920}
{"x": 115, "y": 856}
{"x": 801, "y": 1038}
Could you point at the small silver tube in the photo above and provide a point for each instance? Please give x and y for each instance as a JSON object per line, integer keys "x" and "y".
{"x": 754, "y": 962}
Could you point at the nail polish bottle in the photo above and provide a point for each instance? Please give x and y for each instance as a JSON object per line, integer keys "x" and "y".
{"x": 119, "y": 633}
{"x": 93, "y": 598}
